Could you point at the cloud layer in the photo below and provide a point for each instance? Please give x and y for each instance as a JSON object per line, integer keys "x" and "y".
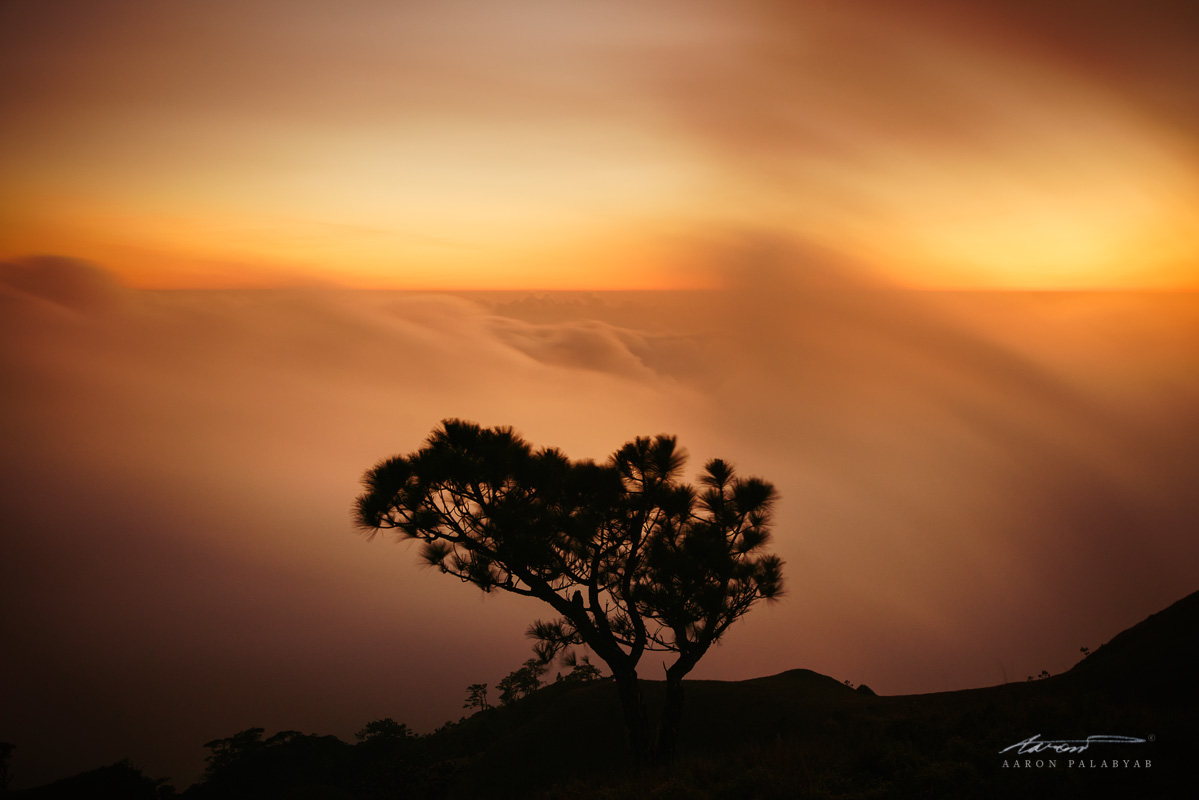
{"x": 534, "y": 145}
{"x": 973, "y": 486}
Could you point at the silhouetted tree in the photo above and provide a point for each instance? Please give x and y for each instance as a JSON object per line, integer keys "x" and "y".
{"x": 581, "y": 669}
{"x": 386, "y": 728}
{"x": 246, "y": 765}
{"x": 521, "y": 682}
{"x": 234, "y": 749}
{"x": 630, "y": 558}
{"x": 390, "y": 760}
{"x": 476, "y": 696}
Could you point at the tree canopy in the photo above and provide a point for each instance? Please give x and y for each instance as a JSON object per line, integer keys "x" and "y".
{"x": 630, "y": 558}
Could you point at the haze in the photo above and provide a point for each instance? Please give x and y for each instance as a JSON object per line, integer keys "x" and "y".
{"x": 973, "y": 486}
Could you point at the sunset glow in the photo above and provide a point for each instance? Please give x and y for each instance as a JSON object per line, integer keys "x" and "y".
{"x": 461, "y": 146}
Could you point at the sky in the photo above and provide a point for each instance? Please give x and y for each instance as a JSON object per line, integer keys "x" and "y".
{"x": 247, "y": 250}
{"x": 540, "y": 145}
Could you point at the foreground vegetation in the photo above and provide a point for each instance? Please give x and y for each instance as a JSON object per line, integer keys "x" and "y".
{"x": 794, "y": 735}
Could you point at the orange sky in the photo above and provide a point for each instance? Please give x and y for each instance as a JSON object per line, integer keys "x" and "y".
{"x": 533, "y": 144}
{"x": 973, "y": 485}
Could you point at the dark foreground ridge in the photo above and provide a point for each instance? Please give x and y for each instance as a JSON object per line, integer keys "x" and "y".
{"x": 797, "y": 734}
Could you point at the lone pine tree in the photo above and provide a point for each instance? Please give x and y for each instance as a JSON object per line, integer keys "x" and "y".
{"x": 630, "y": 558}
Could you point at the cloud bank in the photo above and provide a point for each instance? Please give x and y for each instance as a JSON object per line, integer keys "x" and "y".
{"x": 973, "y": 486}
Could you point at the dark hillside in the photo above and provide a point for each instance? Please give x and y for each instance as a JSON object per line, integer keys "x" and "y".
{"x": 1156, "y": 660}
{"x": 575, "y": 732}
{"x": 797, "y": 734}
{"x": 802, "y": 734}
{"x": 121, "y": 780}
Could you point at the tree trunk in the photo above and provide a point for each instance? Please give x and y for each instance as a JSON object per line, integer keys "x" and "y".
{"x": 672, "y": 716}
{"x": 635, "y": 720}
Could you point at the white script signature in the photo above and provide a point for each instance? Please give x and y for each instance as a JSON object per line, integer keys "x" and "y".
{"x": 1034, "y": 744}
